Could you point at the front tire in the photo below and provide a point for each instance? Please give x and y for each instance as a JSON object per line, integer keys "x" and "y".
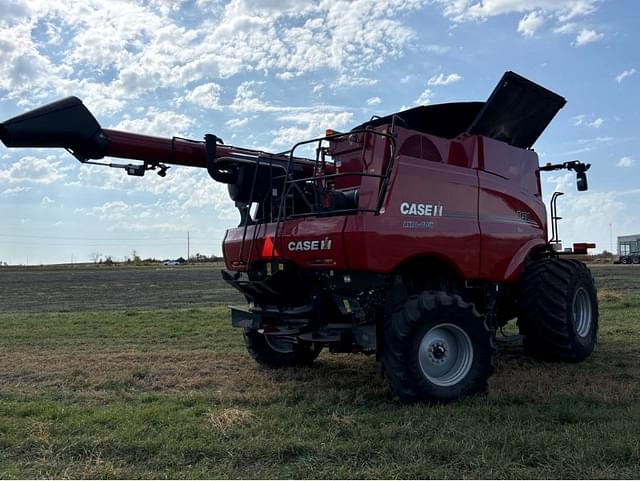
{"x": 558, "y": 310}
{"x": 436, "y": 348}
{"x": 279, "y": 351}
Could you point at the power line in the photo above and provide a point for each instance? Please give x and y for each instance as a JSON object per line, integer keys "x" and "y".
{"x": 109, "y": 239}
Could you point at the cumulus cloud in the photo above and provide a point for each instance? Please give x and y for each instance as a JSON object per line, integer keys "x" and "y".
{"x": 33, "y": 169}
{"x": 308, "y": 125}
{"x": 588, "y": 36}
{"x": 530, "y": 23}
{"x": 625, "y": 74}
{"x": 206, "y": 96}
{"x": 46, "y": 201}
{"x": 156, "y": 122}
{"x": 478, "y": 10}
{"x": 425, "y": 97}
{"x": 442, "y": 79}
{"x": 534, "y": 14}
{"x": 374, "y": 101}
{"x": 626, "y": 162}
{"x": 120, "y": 50}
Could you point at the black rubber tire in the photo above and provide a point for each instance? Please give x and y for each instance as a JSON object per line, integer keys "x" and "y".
{"x": 302, "y": 354}
{"x": 403, "y": 332}
{"x": 625, "y": 260}
{"x": 546, "y": 318}
{"x": 635, "y": 259}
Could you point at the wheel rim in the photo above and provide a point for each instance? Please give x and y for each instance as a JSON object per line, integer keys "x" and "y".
{"x": 281, "y": 344}
{"x": 445, "y": 355}
{"x": 582, "y": 313}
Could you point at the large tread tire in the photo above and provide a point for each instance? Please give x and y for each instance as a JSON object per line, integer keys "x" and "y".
{"x": 404, "y": 331}
{"x": 549, "y": 289}
{"x": 301, "y": 353}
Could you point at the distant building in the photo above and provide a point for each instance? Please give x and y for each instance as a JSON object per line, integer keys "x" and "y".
{"x": 629, "y": 248}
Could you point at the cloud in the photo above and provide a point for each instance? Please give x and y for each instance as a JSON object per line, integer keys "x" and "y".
{"x": 596, "y": 123}
{"x": 587, "y": 121}
{"x": 117, "y": 51}
{"x": 534, "y": 14}
{"x": 442, "y": 79}
{"x": 478, "y": 10}
{"x": 206, "y": 96}
{"x": 34, "y": 170}
{"x": 237, "y": 123}
{"x": 308, "y": 125}
{"x": 156, "y": 122}
{"x": 588, "y": 36}
{"x": 626, "y": 162}
{"x": 46, "y": 201}
{"x": 567, "y": 28}
{"x": 374, "y": 101}
{"x": 625, "y": 74}
{"x": 530, "y": 23}
{"x": 14, "y": 191}
{"x": 425, "y": 97}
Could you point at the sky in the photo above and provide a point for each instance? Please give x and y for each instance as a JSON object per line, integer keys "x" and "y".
{"x": 268, "y": 73}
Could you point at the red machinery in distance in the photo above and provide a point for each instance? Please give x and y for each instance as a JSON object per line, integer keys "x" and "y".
{"x": 415, "y": 235}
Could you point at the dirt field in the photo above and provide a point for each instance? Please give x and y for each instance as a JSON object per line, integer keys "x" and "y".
{"x": 46, "y": 289}
{"x": 104, "y": 376}
{"x": 107, "y": 288}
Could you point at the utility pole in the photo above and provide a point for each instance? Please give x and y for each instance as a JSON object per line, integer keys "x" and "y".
{"x": 611, "y": 238}
{"x": 188, "y": 246}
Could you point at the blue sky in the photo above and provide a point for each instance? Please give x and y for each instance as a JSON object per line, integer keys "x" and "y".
{"x": 268, "y": 73}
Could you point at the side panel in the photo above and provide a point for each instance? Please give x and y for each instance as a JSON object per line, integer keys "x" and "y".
{"x": 431, "y": 209}
{"x": 310, "y": 242}
{"x": 511, "y": 212}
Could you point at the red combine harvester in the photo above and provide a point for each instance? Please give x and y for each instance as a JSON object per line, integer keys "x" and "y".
{"x": 415, "y": 236}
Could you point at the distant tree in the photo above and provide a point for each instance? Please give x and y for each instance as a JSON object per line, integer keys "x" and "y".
{"x": 95, "y": 257}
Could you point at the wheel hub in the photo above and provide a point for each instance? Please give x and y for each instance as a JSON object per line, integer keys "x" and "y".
{"x": 582, "y": 314}
{"x": 438, "y": 352}
{"x": 445, "y": 354}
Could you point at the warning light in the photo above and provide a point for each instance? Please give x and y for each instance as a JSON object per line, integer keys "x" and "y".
{"x": 268, "y": 249}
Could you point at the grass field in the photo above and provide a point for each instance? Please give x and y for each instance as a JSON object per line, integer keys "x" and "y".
{"x": 164, "y": 388}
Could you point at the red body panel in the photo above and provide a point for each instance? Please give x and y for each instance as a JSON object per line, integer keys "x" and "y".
{"x": 475, "y": 203}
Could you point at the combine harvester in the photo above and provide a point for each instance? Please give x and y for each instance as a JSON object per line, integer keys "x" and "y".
{"x": 414, "y": 236}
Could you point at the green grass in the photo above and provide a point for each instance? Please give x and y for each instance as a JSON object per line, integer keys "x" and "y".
{"x": 172, "y": 393}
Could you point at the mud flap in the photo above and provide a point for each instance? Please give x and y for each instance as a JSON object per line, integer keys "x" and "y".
{"x": 244, "y": 318}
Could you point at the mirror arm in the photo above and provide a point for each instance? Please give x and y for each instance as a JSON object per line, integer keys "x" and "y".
{"x": 580, "y": 168}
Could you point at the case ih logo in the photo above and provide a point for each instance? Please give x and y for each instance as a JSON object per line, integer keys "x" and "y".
{"x": 431, "y": 210}
{"x": 310, "y": 245}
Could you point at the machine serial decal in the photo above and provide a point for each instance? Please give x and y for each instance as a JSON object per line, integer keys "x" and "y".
{"x": 414, "y": 224}
{"x": 310, "y": 245}
{"x": 429, "y": 210}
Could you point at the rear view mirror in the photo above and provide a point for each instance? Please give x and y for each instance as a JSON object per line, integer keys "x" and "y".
{"x": 581, "y": 181}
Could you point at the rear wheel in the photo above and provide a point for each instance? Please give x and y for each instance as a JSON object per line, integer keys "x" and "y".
{"x": 558, "y": 310}
{"x": 275, "y": 351}
{"x": 636, "y": 259}
{"x": 436, "y": 348}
